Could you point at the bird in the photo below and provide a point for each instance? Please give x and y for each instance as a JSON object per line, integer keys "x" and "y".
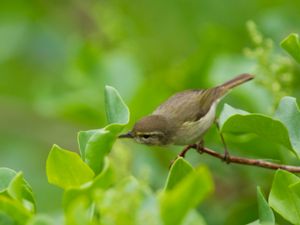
{"x": 183, "y": 118}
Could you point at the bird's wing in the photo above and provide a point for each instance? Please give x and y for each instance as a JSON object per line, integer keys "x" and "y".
{"x": 190, "y": 105}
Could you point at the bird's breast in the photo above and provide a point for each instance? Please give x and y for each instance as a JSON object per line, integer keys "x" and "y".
{"x": 191, "y": 132}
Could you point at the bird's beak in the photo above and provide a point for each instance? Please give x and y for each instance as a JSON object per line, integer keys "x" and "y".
{"x": 127, "y": 135}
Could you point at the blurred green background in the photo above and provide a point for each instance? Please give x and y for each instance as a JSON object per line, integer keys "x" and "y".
{"x": 57, "y": 56}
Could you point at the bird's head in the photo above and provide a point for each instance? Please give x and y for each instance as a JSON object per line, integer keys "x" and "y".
{"x": 151, "y": 130}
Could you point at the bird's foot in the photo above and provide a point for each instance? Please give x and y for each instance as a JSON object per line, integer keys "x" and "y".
{"x": 199, "y": 147}
{"x": 226, "y": 157}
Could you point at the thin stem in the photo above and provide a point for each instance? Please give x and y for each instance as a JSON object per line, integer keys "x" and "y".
{"x": 247, "y": 161}
{"x": 184, "y": 151}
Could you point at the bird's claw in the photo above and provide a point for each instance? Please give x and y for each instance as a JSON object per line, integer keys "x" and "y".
{"x": 226, "y": 157}
{"x": 199, "y": 147}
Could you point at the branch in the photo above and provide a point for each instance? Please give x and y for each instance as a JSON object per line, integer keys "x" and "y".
{"x": 241, "y": 160}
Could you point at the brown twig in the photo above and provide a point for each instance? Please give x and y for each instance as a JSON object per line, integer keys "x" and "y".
{"x": 245, "y": 161}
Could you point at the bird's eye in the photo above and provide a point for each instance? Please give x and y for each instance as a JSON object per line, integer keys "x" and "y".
{"x": 146, "y": 136}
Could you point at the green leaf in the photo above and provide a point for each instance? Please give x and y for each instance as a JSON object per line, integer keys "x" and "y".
{"x": 180, "y": 168}
{"x": 13, "y": 210}
{"x": 148, "y": 211}
{"x": 187, "y": 194}
{"x": 20, "y": 190}
{"x": 79, "y": 212}
{"x": 41, "y": 220}
{"x": 288, "y": 113}
{"x": 83, "y": 139}
{"x": 6, "y": 175}
{"x": 94, "y": 145}
{"x": 97, "y": 147}
{"x": 122, "y": 203}
{"x": 265, "y": 213}
{"x": 106, "y": 178}
{"x": 116, "y": 110}
{"x": 236, "y": 121}
{"x": 292, "y": 45}
{"x": 193, "y": 218}
{"x": 17, "y": 188}
{"x": 103, "y": 181}
{"x": 6, "y": 219}
{"x": 283, "y": 199}
{"x": 256, "y": 222}
{"x": 295, "y": 189}
{"x": 66, "y": 169}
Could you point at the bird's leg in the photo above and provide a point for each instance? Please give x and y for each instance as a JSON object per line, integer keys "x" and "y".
{"x": 226, "y": 153}
{"x": 200, "y": 146}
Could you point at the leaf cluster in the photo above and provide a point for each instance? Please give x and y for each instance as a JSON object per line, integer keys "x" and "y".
{"x": 95, "y": 192}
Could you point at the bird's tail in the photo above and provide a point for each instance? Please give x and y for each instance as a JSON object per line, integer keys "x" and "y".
{"x": 240, "y": 79}
{"x": 209, "y": 96}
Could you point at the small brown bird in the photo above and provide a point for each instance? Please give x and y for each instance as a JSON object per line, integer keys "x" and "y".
{"x": 184, "y": 118}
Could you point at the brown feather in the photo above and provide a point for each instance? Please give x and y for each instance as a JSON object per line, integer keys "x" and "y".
{"x": 240, "y": 79}
{"x": 184, "y": 117}
{"x": 191, "y": 105}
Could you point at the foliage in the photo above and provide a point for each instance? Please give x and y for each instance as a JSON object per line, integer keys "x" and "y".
{"x": 91, "y": 199}
{"x": 98, "y": 186}
{"x": 275, "y": 72}
{"x": 284, "y": 197}
{"x": 266, "y": 215}
{"x": 292, "y": 45}
{"x": 282, "y": 128}
{"x": 17, "y": 203}
{"x": 179, "y": 199}
{"x": 92, "y": 187}
{"x": 65, "y": 169}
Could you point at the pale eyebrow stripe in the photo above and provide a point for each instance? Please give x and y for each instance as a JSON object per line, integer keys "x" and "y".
{"x": 149, "y": 133}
